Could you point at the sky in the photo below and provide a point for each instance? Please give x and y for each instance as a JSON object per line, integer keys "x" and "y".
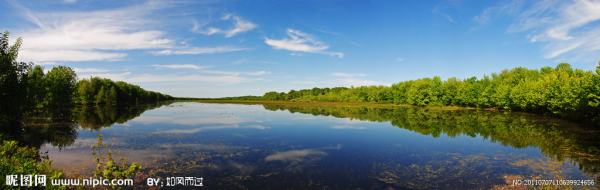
{"x": 219, "y": 48}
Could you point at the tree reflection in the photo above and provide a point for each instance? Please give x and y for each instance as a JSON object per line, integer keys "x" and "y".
{"x": 58, "y": 127}
{"x": 96, "y": 117}
{"x": 555, "y": 138}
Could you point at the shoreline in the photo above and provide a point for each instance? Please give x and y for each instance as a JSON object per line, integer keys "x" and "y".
{"x": 342, "y": 104}
{"x": 565, "y": 121}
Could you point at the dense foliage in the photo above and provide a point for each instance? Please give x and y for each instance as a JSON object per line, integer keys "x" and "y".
{"x": 15, "y": 159}
{"x": 105, "y": 91}
{"x": 12, "y": 81}
{"x": 562, "y": 91}
{"x": 52, "y": 90}
{"x": 59, "y": 88}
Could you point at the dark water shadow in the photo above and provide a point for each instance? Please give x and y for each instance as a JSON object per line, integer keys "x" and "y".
{"x": 58, "y": 127}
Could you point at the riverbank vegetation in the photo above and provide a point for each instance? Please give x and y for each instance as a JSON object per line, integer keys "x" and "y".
{"x": 561, "y": 91}
{"x": 25, "y": 88}
{"x": 16, "y": 159}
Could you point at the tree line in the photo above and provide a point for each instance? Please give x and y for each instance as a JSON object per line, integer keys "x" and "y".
{"x": 561, "y": 91}
{"x": 25, "y": 88}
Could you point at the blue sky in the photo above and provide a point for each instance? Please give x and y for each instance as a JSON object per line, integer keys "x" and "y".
{"x": 231, "y": 48}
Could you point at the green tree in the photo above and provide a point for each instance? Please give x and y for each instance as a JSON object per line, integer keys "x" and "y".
{"x": 111, "y": 96}
{"x": 12, "y": 82}
{"x": 61, "y": 82}
{"x": 85, "y": 92}
{"x": 101, "y": 96}
{"x": 36, "y": 87}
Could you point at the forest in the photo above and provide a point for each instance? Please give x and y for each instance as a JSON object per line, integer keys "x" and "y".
{"x": 560, "y": 91}
{"x": 25, "y": 88}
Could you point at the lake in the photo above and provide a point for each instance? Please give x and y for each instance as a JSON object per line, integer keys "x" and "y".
{"x": 236, "y": 146}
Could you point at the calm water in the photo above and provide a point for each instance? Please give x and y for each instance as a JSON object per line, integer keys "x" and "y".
{"x": 237, "y": 146}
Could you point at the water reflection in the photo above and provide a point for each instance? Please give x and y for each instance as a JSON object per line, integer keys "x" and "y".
{"x": 307, "y": 147}
{"x": 556, "y": 138}
{"x": 59, "y": 127}
{"x": 97, "y": 117}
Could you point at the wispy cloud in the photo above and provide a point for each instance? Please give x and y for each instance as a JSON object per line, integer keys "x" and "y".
{"x": 191, "y": 73}
{"x": 198, "y": 50}
{"x": 239, "y": 26}
{"x": 298, "y": 41}
{"x": 205, "y": 70}
{"x": 106, "y": 35}
{"x": 89, "y": 70}
{"x": 353, "y": 79}
{"x": 439, "y": 11}
{"x": 337, "y": 79}
{"x": 258, "y": 73}
{"x": 510, "y": 7}
{"x": 114, "y": 75}
{"x": 153, "y": 78}
{"x": 179, "y": 66}
{"x": 69, "y": 1}
{"x": 89, "y": 35}
{"x": 347, "y": 75}
{"x": 568, "y": 29}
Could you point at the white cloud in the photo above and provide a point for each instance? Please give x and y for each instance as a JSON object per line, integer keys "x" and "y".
{"x": 151, "y": 78}
{"x": 258, "y": 73}
{"x": 199, "y": 74}
{"x": 179, "y": 66}
{"x": 199, "y": 50}
{"x": 337, "y": 79}
{"x": 105, "y": 35}
{"x": 353, "y": 79}
{"x": 239, "y": 26}
{"x": 41, "y": 54}
{"x": 298, "y": 41}
{"x": 69, "y": 1}
{"x": 89, "y": 70}
{"x": 117, "y": 76}
{"x": 89, "y": 35}
{"x": 347, "y": 75}
{"x": 568, "y": 29}
{"x": 237, "y": 73}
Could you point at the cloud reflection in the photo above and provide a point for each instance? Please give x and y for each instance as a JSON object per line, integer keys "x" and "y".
{"x": 200, "y": 129}
{"x": 301, "y": 154}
